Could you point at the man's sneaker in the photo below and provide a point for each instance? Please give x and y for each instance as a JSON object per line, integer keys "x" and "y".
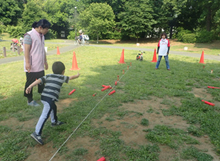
{"x": 37, "y": 138}
{"x": 57, "y": 123}
{"x": 33, "y": 103}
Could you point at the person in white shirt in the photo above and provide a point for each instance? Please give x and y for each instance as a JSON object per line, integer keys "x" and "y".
{"x": 163, "y": 50}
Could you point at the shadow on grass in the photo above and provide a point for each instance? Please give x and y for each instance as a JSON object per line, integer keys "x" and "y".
{"x": 213, "y": 45}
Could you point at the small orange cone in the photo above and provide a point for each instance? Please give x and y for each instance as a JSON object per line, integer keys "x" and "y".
{"x": 112, "y": 92}
{"x": 72, "y": 91}
{"x": 74, "y": 63}
{"x": 122, "y": 58}
{"x": 155, "y": 56}
{"x": 101, "y": 159}
{"x": 58, "y": 51}
{"x": 202, "y": 58}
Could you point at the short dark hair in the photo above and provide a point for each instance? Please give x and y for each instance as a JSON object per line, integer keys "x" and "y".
{"x": 164, "y": 34}
{"x": 43, "y": 23}
{"x": 58, "y": 67}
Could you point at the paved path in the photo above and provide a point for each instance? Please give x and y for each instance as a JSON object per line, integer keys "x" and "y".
{"x": 18, "y": 58}
{"x": 72, "y": 46}
{"x": 195, "y": 55}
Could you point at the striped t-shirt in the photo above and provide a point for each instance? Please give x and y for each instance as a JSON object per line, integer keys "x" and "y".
{"x": 53, "y": 83}
{"x": 27, "y": 39}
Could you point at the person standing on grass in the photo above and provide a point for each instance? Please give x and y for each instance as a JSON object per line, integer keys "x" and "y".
{"x": 49, "y": 96}
{"x": 35, "y": 60}
{"x": 163, "y": 50}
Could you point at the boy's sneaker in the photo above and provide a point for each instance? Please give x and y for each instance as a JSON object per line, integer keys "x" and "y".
{"x": 37, "y": 138}
{"x": 33, "y": 103}
{"x": 57, "y": 123}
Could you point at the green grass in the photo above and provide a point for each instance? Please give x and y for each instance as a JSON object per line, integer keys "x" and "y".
{"x": 100, "y": 66}
{"x": 169, "y": 136}
{"x": 193, "y": 153}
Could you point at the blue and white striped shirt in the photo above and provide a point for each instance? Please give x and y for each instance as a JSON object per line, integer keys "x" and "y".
{"x": 53, "y": 83}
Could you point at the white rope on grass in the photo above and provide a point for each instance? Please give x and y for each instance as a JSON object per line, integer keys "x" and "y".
{"x": 85, "y": 118}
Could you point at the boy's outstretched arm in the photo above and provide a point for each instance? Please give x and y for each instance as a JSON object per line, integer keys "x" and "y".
{"x": 74, "y": 76}
{"x": 28, "y": 89}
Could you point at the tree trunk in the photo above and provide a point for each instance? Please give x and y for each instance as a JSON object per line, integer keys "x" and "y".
{"x": 97, "y": 38}
{"x": 209, "y": 19}
{"x": 171, "y": 32}
{"x": 137, "y": 37}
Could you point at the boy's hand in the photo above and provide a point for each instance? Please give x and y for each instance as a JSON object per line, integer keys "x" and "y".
{"x": 75, "y": 76}
{"x": 28, "y": 90}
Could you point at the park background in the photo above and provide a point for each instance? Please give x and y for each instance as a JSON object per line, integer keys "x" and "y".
{"x": 195, "y": 21}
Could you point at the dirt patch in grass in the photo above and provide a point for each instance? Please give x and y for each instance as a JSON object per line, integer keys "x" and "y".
{"x": 86, "y": 143}
{"x": 62, "y": 104}
{"x": 13, "y": 123}
{"x": 206, "y": 146}
{"x": 201, "y": 93}
{"x": 132, "y": 130}
{"x": 45, "y": 152}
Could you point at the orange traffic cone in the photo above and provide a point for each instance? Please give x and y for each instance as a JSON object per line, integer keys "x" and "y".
{"x": 58, "y": 51}
{"x": 74, "y": 63}
{"x": 155, "y": 56}
{"x": 202, "y": 58}
{"x": 122, "y": 57}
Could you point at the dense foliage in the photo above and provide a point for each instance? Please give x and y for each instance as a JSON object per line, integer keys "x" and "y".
{"x": 115, "y": 19}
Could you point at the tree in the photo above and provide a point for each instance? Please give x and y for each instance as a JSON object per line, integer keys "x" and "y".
{"x": 172, "y": 9}
{"x": 9, "y": 12}
{"x": 32, "y": 12}
{"x": 117, "y": 5}
{"x": 97, "y": 18}
{"x": 217, "y": 21}
{"x": 190, "y": 13}
{"x": 137, "y": 17}
{"x": 209, "y": 9}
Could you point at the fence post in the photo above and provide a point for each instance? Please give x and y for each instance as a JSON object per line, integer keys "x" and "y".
{"x": 4, "y": 51}
{"x": 13, "y": 47}
{"x": 18, "y": 49}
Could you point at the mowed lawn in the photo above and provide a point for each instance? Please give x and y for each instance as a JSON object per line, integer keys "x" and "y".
{"x": 132, "y": 124}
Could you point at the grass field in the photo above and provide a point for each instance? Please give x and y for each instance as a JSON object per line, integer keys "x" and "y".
{"x": 154, "y": 114}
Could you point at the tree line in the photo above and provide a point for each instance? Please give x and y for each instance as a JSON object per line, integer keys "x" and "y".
{"x": 187, "y": 20}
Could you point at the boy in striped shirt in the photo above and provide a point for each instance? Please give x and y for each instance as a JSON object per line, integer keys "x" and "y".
{"x": 50, "y": 94}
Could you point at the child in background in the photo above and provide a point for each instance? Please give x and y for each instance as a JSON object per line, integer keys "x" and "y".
{"x": 50, "y": 94}
{"x": 163, "y": 50}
